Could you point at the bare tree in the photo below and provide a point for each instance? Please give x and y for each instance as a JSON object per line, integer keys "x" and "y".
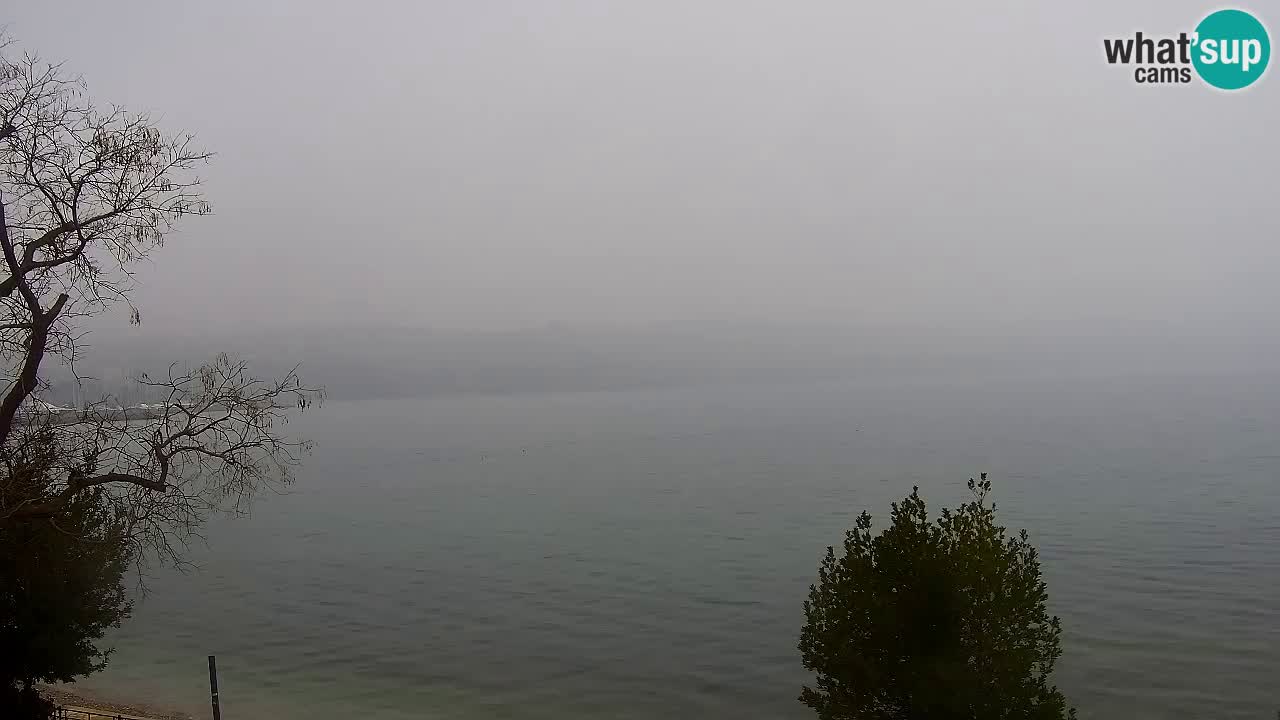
{"x": 86, "y": 193}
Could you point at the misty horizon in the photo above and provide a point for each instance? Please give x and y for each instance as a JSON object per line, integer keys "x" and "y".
{"x": 610, "y": 166}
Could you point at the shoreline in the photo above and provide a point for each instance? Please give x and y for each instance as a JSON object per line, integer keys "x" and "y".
{"x": 74, "y": 700}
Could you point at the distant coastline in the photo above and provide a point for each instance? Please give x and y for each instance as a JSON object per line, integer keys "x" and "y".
{"x": 55, "y": 415}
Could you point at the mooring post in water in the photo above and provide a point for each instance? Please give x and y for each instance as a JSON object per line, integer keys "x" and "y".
{"x": 213, "y": 687}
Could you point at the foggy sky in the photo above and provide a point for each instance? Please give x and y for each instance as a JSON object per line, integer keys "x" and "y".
{"x": 944, "y": 169}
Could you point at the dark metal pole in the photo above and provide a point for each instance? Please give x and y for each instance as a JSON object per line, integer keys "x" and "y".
{"x": 213, "y": 687}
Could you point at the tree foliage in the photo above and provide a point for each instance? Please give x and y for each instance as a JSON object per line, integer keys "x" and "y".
{"x": 86, "y": 193}
{"x": 61, "y": 584}
{"x": 932, "y": 621}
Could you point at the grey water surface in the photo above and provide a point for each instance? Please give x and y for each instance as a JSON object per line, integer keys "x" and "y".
{"x": 645, "y": 553}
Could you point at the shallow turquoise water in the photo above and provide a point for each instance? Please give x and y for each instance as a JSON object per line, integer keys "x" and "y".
{"x": 644, "y": 554}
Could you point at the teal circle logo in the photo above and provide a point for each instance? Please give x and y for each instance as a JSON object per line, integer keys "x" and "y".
{"x": 1231, "y": 49}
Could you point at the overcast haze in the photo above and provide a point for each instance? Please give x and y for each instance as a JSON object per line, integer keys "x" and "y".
{"x": 930, "y": 170}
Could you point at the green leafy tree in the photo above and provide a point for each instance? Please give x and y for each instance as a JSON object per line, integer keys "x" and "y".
{"x": 61, "y": 584}
{"x": 932, "y": 621}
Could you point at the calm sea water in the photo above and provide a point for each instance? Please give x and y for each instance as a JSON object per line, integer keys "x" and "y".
{"x": 645, "y": 554}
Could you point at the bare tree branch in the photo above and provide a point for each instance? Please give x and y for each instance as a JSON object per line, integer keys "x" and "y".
{"x": 85, "y": 194}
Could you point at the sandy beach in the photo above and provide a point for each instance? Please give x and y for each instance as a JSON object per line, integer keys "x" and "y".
{"x": 79, "y": 706}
